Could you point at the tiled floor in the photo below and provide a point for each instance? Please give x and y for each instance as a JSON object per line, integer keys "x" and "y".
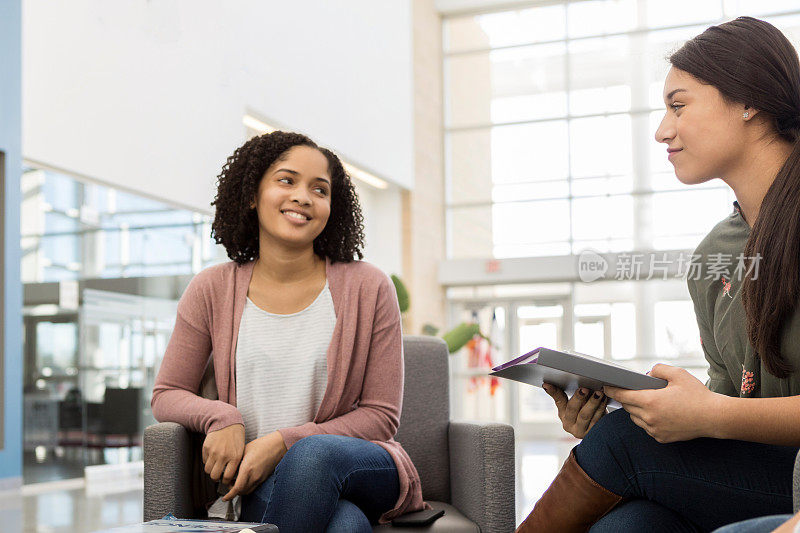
{"x": 69, "y": 509}
{"x": 52, "y": 468}
{"x": 76, "y": 507}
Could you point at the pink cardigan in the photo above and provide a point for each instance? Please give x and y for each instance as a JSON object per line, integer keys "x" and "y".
{"x": 365, "y": 363}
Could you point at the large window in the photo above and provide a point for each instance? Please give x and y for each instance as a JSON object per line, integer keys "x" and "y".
{"x": 550, "y": 114}
{"x": 91, "y": 357}
{"x": 77, "y": 230}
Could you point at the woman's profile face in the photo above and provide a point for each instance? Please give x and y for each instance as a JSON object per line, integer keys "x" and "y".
{"x": 703, "y": 132}
{"x": 293, "y": 200}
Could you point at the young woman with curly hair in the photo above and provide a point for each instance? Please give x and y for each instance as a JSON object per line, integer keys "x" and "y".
{"x": 694, "y": 457}
{"x": 305, "y": 345}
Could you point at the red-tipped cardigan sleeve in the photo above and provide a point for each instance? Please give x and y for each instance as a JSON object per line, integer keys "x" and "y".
{"x": 378, "y": 412}
{"x": 175, "y": 393}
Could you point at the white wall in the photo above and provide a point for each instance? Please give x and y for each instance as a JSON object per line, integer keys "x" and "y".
{"x": 149, "y": 96}
{"x": 456, "y": 7}
{"x": 383, "y": 218}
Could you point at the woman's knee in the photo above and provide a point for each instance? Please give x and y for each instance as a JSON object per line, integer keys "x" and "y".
{"x": 611, "y": 428}
{"x": 614, "y": 430}
{"x": 315, "y": 454}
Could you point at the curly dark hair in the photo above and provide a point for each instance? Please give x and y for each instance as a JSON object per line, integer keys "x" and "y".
{"x": 235, "y": 223}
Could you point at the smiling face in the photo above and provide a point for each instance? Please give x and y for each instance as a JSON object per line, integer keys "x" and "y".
{"x": 704, "y": 133}
{"x": 293, "y": 200}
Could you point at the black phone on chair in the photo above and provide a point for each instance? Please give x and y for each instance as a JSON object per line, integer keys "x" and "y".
{"x": 418, "y": 518}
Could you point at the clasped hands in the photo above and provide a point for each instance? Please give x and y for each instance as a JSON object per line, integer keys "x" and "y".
{"x": 228, "y": 459}
{"x": 683, "y": 410}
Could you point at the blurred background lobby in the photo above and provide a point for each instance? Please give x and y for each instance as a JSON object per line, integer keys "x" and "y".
{"x": 491, "y": 142}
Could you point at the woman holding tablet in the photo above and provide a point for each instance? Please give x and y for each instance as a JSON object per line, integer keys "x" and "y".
{"x": 694, "y": 457}
{"x": 306, "y": 348}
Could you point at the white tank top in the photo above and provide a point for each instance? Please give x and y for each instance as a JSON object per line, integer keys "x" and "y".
{"x": 281, "y": 365}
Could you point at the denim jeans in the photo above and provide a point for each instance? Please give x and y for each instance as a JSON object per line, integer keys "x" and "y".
{"x": 765, "y": 524}
{"x": 696, "y": 485}
{"x": 326, "y": 483}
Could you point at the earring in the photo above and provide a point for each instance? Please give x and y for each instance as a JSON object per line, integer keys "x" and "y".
{"x": 746, "y": 115}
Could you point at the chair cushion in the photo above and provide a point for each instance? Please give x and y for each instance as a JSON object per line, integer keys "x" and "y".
{"x": 452, "y": 522}
{"x": 425, "y": 418}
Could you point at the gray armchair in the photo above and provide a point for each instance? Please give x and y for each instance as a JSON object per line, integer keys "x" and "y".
{"x": 465, "y": 468}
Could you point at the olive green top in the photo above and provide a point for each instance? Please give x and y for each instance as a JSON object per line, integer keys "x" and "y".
{"x": 715, "y": 280}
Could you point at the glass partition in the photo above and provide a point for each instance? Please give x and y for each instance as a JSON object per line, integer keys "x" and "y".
{"x": 91, "y": 356}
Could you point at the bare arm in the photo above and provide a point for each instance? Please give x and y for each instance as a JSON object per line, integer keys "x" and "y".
{"x": 765, "y": 420}
{"x": 685, "y": 409}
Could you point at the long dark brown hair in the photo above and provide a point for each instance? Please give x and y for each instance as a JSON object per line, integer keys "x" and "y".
{"x": 751, "y": 62}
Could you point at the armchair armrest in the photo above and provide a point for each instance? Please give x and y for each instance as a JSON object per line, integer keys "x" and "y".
{"x": 482, "y": 474}
{"x": 167, "y": 471}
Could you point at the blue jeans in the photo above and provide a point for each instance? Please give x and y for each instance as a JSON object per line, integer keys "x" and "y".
{"x": 765, "y": 524}
{"x": 326, "y": 483}
{"x": 696, "y": 485}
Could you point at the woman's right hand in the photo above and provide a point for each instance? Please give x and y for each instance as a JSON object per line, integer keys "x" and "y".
{"x": 222, "y": 452}
{"x": 579, "y": 413}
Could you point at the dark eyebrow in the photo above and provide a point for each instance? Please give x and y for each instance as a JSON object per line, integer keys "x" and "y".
{"x": 295, "y": 173}
{"x": 672, "y": 93}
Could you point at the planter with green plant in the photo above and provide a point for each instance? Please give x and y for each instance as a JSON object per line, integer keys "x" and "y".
{"x": 456, "y": 338}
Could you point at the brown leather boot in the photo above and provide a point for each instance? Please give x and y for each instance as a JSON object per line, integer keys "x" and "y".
{"x": 571, "y": 504}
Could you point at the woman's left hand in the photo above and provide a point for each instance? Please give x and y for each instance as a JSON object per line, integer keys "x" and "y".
{"x": 683, "y": 410}
{"x": 261, "y": 456}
